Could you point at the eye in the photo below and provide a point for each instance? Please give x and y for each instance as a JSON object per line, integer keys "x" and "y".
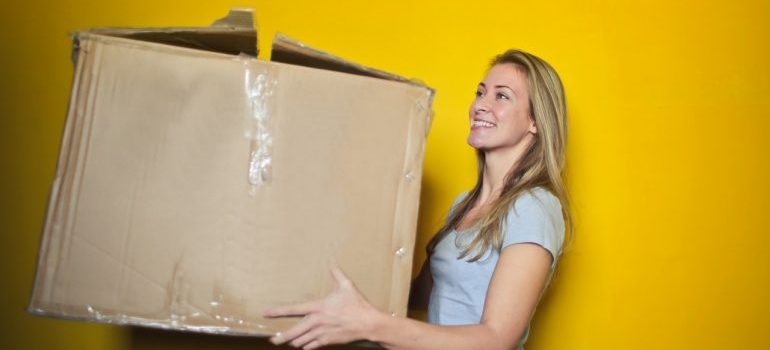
{"x": 479, "y": 93}
{"x": 502, "y": 96}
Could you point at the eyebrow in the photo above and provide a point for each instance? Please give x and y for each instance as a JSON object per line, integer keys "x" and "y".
{"x": 500, "y": 86}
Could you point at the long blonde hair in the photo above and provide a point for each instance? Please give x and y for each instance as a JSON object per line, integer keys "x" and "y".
{"x": 541, "y": 165}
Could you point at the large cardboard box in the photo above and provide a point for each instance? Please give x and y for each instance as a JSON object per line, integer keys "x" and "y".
{"x": 197, "y": 186}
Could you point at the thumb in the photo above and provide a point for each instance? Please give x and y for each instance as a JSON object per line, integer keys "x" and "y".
{"x": 340, "y": 277}
{"x": 291, "y": 310}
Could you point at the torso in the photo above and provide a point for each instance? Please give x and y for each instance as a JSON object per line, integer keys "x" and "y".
{"x": 459, "y": 287}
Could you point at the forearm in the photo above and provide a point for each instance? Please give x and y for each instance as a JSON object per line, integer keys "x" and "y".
{"x": 345, "y": 316}
{"x": 400, "y": 333}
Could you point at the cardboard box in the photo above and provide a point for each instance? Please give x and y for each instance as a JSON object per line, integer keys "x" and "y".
{"x": 197, "y": 186}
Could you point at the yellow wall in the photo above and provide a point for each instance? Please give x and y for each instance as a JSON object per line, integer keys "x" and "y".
{"x": 668, "y": 159}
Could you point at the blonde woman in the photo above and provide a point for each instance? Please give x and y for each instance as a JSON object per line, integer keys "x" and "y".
{"x": 495, "y": 255}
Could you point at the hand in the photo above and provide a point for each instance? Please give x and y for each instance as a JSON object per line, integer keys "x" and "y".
{"x": 341, "y": 317}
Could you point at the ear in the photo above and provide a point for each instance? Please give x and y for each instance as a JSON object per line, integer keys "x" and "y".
{"x": 532, "y": 127}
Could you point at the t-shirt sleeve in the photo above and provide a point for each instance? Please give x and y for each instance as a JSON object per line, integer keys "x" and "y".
{"x": 536, "y": 217}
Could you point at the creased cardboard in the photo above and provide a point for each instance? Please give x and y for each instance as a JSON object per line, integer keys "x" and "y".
{"x": 153, "y": 219}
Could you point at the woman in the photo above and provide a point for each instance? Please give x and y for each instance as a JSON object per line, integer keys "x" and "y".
{"x": 495, "y": 255}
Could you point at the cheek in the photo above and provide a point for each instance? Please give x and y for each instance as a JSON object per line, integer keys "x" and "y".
{"x": 515, "y": 123}
{"x": 514, "y": 114}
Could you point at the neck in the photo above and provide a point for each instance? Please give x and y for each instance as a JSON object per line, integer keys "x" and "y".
{"x": 498, "y": 164}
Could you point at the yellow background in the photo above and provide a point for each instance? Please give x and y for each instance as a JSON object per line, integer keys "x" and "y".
{"x": 668, "y": 152}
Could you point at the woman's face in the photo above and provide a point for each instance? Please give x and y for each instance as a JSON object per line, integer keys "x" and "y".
{"x": 500, "y": 116}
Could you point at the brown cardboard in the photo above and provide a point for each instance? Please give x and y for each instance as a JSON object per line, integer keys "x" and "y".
{"x": 153, "y": 219}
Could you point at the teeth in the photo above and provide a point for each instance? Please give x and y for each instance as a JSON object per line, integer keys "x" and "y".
{"x": 482, "y": 123}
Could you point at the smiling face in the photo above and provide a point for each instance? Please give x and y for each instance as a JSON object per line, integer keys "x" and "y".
{"x": 500, "y": 115}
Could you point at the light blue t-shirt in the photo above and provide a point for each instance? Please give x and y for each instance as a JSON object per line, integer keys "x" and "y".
{"x": 460, "y": 287}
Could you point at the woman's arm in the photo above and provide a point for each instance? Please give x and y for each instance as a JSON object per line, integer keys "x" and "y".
{"x": 345, "y": 316}
{"x": 419, "y": 294}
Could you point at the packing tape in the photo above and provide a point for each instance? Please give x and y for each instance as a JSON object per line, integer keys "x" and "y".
{"x": 260, "y": 83}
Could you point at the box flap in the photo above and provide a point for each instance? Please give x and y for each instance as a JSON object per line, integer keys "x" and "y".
{"x": 234, "y": 34}
{"x": 291, "y": 51}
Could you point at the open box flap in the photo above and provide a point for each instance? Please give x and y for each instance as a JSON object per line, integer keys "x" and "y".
{"x": 291, "y": 51}
{"x": 234, "y": 34}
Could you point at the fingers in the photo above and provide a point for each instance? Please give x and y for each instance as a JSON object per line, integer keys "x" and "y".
{"x": 277, "y": 339}
{"x": 301, "y": 309}
{"x": 315, "y": 344}
{"x": 298, "y": 330}
{"x": 307, "y": 338}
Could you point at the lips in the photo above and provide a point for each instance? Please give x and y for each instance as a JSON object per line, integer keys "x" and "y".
{"x": 479, "y": 123}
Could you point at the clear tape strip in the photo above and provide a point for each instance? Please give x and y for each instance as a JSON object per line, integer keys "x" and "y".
{"x": 230, "y": 326}
{"x": 403, "y": 240}
{"x": 260, "y": 82}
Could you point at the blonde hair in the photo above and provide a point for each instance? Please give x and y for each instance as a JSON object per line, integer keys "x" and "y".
{"x": 541, "y": 165}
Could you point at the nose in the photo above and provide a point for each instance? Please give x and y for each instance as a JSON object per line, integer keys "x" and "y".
{"x": 480, "y": 106}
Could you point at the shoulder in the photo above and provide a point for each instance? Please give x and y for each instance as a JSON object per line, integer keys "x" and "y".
{"x": 535, "y": 217}
{"x": 537, "y": 200}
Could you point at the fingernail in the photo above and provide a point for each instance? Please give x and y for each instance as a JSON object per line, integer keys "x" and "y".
{"x": 276, "y": 338}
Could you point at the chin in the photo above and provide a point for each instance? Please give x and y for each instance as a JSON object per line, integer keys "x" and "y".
{"x": 476, "y": 143}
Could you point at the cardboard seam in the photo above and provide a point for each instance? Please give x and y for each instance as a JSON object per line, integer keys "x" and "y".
{"x": 41, "y": 274}
{"x": 71, "y": 172}
{"x": 400, "y": 232}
